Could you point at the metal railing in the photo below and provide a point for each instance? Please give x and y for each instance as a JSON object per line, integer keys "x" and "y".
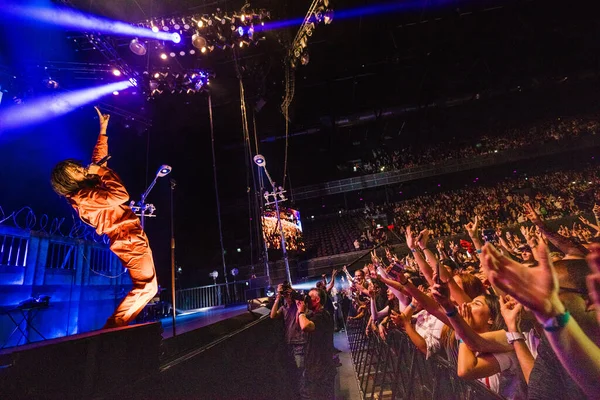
{"x": 222, "y": 294}
{"x": 395, "y": 369}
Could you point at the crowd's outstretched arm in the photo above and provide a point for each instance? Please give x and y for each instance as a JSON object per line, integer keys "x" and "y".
{"x": 537, "y": 289}
{"x": 566, "y": 245}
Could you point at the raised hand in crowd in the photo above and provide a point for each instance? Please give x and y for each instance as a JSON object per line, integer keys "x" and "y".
{"x": 423, "y": 238}
{"x": 538, "y": 289}
{"x": 511, "y": 311}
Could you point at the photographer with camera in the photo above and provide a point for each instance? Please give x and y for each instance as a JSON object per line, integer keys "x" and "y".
{"x": 317, "y": 380}
{"x": 295, "y": 338}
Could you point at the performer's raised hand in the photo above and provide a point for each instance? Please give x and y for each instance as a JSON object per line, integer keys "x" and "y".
{"x": 103, "y": 118}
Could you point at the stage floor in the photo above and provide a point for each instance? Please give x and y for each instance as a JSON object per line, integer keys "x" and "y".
{"x": 195, "y": 320}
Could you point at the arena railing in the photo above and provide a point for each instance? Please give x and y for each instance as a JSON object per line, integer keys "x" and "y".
{"x": 395, "y": 369}
{"x": 363, "y": 182}
{"x": 222, "y": 294}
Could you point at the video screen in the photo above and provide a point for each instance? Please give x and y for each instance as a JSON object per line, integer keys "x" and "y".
{"x": 292, "y": 229}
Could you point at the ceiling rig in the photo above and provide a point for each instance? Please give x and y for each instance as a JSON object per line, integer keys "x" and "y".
{"x": 320, "y": 11}
{"x": 203, "y": 33}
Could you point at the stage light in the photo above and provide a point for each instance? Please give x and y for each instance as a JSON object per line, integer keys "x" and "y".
{"x": 304, "y": 58}
{"x": 116, "y": 93}
{"x": 259, "y": 160}
{"x": 164, "y": 170}
{"x": 198, "y": 41}
{"x": 328, "y": 16}
{"x": 163, "y": 56}
{"x": 51, "y": 83}
{"x": 157, "y": 75}
{"x": 172, "y": 54}
{"x": 235, "y": 272}
{"x": 116, "y": 72}
{"x": 203, "y": 50}
{"x": 176, "y": 37}
{"x": 71, "y": 18}
{"x": 52, "y": 106}
{"x": 240, "y": 31}
{"x": 182, "y": 53}
{"x": 137, "y": 47}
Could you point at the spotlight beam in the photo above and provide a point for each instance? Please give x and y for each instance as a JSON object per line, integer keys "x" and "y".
{"x": 77, "y": 20}
{"x": 49, "y": 107}
{"x": 375, "y": 9}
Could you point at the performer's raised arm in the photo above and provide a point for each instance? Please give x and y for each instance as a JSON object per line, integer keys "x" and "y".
{"x": 101, "y": 148}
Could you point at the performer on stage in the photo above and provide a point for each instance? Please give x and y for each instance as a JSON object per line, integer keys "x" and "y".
{"x": 99, "y": 197}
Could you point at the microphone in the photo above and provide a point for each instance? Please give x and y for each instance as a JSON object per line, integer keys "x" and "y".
{"x": 103, "y": 160}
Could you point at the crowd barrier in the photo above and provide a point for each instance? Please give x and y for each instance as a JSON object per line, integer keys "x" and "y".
{"x": 395, "y": 369}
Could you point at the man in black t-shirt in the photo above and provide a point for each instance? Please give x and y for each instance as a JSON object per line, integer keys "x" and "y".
{"x": 317, "y": 381}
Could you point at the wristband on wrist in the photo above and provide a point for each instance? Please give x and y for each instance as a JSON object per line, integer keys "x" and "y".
{"x": 478, "y": 251}
{"x": 512, "y": 337}
{"x": 557, "y": 323}
{"x": 413, "y": 250}
{"x": 460, "y": 341}
{"x": 452, "y": 313}
{"x": 411, "y": 305}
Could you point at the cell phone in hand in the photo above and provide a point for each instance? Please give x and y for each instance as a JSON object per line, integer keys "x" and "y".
{"x": 438, "y": 279}
{"x": 396, "y": 269}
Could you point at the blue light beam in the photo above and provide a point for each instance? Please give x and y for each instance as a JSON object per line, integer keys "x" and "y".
{"x": 49, "y": 107}
{"x": 375, "y": 9}
{"x": 74, "y": 19}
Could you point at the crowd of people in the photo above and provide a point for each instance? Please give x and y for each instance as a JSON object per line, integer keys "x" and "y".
{"x": 516, "y": 306}
{"x": 381, "y": 160}
{"x": 519, "y": 312}
{"x": 554, "y": 195}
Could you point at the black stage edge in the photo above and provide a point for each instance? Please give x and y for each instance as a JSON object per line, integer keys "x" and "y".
{"x": 83, "y": 366}
{"x": 181, "y": 344}
{"x": 250, "y": 363}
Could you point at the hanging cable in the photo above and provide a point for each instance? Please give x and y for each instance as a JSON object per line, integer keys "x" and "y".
{"x": 212, "y": 145}
{"x": 285, "y": 106}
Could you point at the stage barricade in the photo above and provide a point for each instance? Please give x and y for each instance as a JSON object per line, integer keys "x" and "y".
{"x": 395, "y": 369}
{"x": 223, "y": 294}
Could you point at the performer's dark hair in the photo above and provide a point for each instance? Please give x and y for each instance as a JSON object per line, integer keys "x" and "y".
{"x": 63, "y": 183}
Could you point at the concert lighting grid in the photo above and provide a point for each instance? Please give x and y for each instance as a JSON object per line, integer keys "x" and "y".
{"x": 200, "y": 35}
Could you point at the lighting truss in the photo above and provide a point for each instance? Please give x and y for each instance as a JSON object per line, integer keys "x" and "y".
{"x": 205, "y": 32}
{"x": 105, "y": 47}
{"x": 189, "y": 82}
{"x": 320, "y": 11}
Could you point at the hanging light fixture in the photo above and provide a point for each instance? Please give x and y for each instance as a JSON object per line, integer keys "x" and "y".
{"x": 198, "y": 41}
{"x": 137, "y": 47}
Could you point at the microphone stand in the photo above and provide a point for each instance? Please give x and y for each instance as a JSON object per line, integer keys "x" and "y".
{"x": 173, "y": 184}
{"x": 142, "y": 204}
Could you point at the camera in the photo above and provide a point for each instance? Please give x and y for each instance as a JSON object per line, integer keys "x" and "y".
{"x": 295, "y": 295}
{"x": 285, "y": 288}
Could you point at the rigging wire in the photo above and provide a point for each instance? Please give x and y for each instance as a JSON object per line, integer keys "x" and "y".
{"x": 212, "y": 146}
